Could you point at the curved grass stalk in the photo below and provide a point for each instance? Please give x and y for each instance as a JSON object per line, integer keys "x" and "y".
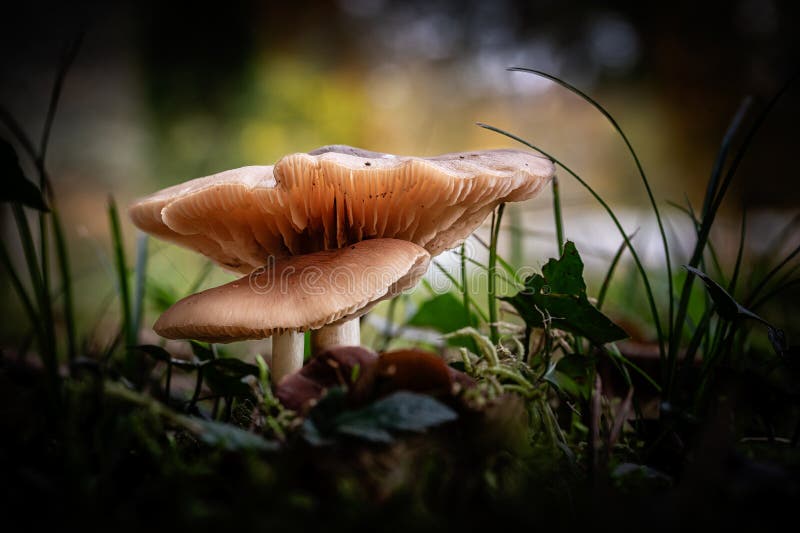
{"x": 714, "y": 196}
{"x": 503, "y": 263}
{"x": 601, "y": 296}
{"x": 16, "y": 282}
{"x": 771, "y": 274}
{"x": 497, "y": 217}
{"x": 518, "y": 284}
{"x": 559, "y": 219}
{"x": 465, "y": 284}
{"x": 458, "y": 286}
{"x": 639, "y": 167}
{"x": 640, "y": 267}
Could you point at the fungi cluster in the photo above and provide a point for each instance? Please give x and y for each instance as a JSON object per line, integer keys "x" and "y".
{"x": 321, "y": 237}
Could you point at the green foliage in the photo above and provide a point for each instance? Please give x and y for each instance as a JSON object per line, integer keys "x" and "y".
{"x": 443, "y": 312}
{"x": 573, "y": 375}
{"x": 377, "y": 422}
{"x": 543, "y": 366}
{"x": 557, "y": 299}
{"x": 16, "y": 187}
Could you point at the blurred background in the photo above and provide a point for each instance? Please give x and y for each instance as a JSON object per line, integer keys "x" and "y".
{"x": 162, "y": 92}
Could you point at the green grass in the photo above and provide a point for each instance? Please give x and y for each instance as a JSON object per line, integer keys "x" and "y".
{"x": 547, "y": 380}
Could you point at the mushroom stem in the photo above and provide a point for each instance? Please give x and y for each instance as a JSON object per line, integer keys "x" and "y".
{"x": 344, "y": 334}
{"x": 287, "y": 354}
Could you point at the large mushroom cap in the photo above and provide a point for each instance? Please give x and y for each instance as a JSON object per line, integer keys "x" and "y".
{"x": 336, "y": 196}
{"x": 298, "y": 293}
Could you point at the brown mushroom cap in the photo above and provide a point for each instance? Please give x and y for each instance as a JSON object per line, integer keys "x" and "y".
{"x": 336, "y": 196}
{"x": 298, "y": 293}
{"x": 146, "y": 213}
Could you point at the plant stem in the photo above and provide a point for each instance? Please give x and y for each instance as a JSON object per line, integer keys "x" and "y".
{"x": 639, "y": 266}
{"x": 714, "y": 197}
{"x": 515, "y": 234}
{"x": 168, "y": 384}
{"x": 66, "y": 282}
{"x": 198, "y": 386}
{"x": 121, "y": 269}
{"x": 457, "y": 285}
{"x": 140, "y": 277}
{"x": 497, "y": 217}
{"x": 557, "y": 215}
{"x": 639, "y": 167}
{"x": 16, "y": 282}
{"x": 465, "y": 285}
{"x": 388, "y": 330}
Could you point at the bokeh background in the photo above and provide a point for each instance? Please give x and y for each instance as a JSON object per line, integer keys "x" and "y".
{"x": 162, "y": 92}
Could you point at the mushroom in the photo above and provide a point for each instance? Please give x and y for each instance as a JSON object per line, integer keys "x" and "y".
{"x": 336, "y": 196}
{"x": 298, "y": 293}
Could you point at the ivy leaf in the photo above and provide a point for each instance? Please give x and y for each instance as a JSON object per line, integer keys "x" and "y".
{"x": 557, "y": 298}
{"x": 230, "y": 437}
{"x": 15, "y": 186}
{"x": 377, "y": 422}
{"x": 403, "y": 410}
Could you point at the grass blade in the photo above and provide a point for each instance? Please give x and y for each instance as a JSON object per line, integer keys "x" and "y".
{"x": 640, "y": 267}
{"x": 121, "y": 271}
{"x": 465, "y": 283}
{"x": 66, "y": 282}
{"x": 28, "y": 249}
{"x": 559, "y": 220}
{"x": 458, "y": 287}
{"x": 140, "y": 276}
{"x": 722, "y": 155}
{"x": 201, "y": 277}
{"x": 739, "y": 253}
{"x": 701, "y": 333}
{"x": 516, "y": 238}
{"x": 518, "y": 285}
{"x": 497, "y": 218}
{"x": 8, "y": 120}
{"x": 67, "y": 59}
{"x": 16, "y": 282}
{"x": 774, "y": 292}
{"x": 715, "y": 195}
{"x": 512, "y": 274}
{"x": 639, "y": 167}
{"x": 772, "y": 273}
{"x": 601, "y": 296}
{"x": 45, "y": 328}
{"x": 46, "y": 304}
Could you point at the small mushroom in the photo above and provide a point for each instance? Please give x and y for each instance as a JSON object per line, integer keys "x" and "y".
{"x": 298, "y": 293}
{"x": 377, "y": 376}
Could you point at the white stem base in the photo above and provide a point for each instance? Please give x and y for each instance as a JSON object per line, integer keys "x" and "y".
{"x": 287, "y": 354}
{"x": 344, "y": 334}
